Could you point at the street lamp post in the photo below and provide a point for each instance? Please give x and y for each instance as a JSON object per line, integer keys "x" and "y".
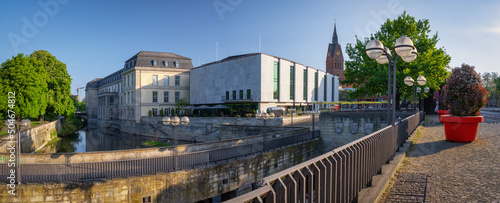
{"x": 26, "y": 123}
{"x": 175, "y": 121}
{"x": 404, "y": 48}
{"x": 265, "y": 116}
{"x": 410, "y": 82}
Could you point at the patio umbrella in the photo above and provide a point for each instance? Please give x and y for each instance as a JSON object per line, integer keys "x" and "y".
{"x": 188, "y": 107}
{"x": 202, "y": 107}
{"x": 220, "y": 106}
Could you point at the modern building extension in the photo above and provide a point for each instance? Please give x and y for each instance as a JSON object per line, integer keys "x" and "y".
{"x": 259, "y": 81}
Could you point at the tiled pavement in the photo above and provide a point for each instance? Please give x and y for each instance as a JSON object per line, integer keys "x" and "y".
{"x": 440, "y": 171}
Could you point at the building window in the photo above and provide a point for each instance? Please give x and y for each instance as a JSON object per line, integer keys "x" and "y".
{"x": 305, "y": 85}
{"x": 333, "y": 88}
{"x": 155, "y": 96}
{"x": 316, "y": 86}
{"x": 241, "y": 94}
{"x": 249, "y": 94}
{"x": 176, "y": 64}
{"x": 276, "y": 81}
{"x": 165, "y": 81}
{"x": 154, "y": 62}
{"x": 177, "y": 96}
{"x": 165, "y": 63}
{"x": 234, "y": 94}
{"x": 155, "y": 111}
{"x": 111, "y": 101}
{"x": 177, "y": 80}
{"x": 165, "y": 97}
{"x": 155, "y": 80}
{"x": 292, "y": 82}
{"x": 324, "y": 90}
{"x": 227, "y": 95}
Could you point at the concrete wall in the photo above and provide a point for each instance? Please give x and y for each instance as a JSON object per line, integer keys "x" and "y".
{"x": 181, "y": 186}
{"x": 34, "y": 138}
{"x": 340, "y": 128}
{"x": 239, "y": 131}
{"x": 210, "y": 83}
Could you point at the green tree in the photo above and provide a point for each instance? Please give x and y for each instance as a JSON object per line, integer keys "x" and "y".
{"x": 490, "y": 84}
{"x": 26, "y": 77}
{"x": 370, "y": 78}
{"x": 183, "y": 102}
{"x": 59, "y": 84}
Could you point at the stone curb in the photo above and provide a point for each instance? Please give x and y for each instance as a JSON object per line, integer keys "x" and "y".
{"x": 381, "y": 182}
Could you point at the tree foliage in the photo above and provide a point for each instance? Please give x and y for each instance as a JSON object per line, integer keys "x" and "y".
{"x": 490, "y": 82}
{"x": 183, "y": 102}
{"x": 370, "y": 78}
{"x": 58, "y": 82}
{"x": 26, "y": 77}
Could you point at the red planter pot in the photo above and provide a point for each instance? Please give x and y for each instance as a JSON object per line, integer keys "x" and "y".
{"x": 441, "y": 113}
{"x": 461, "y": 128}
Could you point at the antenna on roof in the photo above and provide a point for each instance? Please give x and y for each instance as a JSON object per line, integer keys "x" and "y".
{"x": 217, "y": 50}
{"x": 260, "y": 43}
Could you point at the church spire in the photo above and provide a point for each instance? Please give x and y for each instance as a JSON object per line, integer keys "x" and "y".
{"x": 335, "y": 40}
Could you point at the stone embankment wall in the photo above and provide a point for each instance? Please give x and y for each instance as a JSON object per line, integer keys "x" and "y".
{"x": 238, "y": 131}
{"x": 34, "y": 138}
{"x": 340, "y": 128}
{"x": 180, "y": 186}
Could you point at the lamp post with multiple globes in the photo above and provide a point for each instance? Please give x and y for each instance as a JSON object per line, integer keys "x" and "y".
{"x": 175, "y": 121}
{"x": 404, "y": 48}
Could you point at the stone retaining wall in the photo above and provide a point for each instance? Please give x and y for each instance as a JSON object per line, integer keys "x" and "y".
{"x": 35, "y": 137}
{"x": 238, "y": 131}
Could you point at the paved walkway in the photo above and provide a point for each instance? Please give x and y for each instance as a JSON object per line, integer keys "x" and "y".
{"x": 440, "y": 171}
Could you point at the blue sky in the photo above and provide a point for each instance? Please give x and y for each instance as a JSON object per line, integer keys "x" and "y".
{"x": 94, "y": 38}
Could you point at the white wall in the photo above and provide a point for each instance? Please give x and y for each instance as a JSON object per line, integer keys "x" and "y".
{"x": 209, "y": 83}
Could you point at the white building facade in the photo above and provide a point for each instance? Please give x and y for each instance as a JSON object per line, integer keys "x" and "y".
{"x": 263, "y": 80}
{"x": 149, "y": 83}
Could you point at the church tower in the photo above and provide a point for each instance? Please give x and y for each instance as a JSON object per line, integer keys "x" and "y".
{"x": 334, "y": 57}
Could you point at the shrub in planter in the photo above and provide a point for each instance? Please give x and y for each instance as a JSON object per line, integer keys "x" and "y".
{"x": 150, "y": 113}
{"x": 443, "y": 107}
{"x": 465, "y": 96}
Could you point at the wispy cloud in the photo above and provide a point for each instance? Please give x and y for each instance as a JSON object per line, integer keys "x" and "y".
{"x": 489, "y": 29}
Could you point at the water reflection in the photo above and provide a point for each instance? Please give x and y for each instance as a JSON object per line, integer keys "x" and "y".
{"x": 88, "y": 140}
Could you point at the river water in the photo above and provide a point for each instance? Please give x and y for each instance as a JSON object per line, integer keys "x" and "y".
{"x": 89, "y": 140}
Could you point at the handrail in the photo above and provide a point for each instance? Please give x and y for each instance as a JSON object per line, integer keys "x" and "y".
{"x": 338, "y": 175}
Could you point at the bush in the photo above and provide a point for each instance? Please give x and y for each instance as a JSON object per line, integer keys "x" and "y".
{"x": 150, "y": 113}
{"x": 70, "y": 126}
{"x": 161, "y": 112}
{"x": 213, "y": 115}
{"x": 465, "y": 94}
{"x": 442, "y": 102}
{"x": 205, "y": 115}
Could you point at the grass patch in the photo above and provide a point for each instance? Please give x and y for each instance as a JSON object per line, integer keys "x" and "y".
{"x": 414, "y": 141}
{"x": 3, "y": 133}
{"x": 153, "y": 143}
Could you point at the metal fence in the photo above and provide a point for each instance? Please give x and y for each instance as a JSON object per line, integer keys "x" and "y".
{"x": 339, "y": 175}
{"x": 38, "y": 173}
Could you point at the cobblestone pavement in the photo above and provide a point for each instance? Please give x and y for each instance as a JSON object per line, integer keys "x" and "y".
{"x": 440, "y": 171}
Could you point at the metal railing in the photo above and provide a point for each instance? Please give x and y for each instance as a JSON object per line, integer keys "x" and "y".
{"x": 39, "y": 173}
{"x": 336, "y": 176}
